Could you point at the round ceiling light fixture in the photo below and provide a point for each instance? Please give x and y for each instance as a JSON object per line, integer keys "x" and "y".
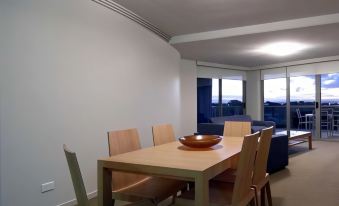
{"x": 282, "y": 48}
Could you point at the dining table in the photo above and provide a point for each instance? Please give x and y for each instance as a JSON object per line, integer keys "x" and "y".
{"x": 172, "y": 160}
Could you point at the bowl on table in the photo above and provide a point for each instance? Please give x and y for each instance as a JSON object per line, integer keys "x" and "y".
{"x": 200, "y": 141}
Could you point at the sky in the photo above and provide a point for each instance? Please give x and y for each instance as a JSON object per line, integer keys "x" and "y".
{"x": 231, "y": 90}
{"x": 302, "y": 88}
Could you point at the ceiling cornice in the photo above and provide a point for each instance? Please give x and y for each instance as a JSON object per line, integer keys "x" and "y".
{"x": 221, "y": 66}
{"x": 134, "y": 17}
{"x": 295, "y": 63}
{"x": 270, "y": 66}
{"x": 255, "y": 29}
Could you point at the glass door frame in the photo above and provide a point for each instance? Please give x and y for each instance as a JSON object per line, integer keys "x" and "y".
{"x": 317, "y": 106}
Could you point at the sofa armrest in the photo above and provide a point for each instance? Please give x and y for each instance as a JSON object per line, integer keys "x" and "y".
{"x": 264, "y": 124}
{"x": 278, "y": 155}
{"x": 211, "y": 129}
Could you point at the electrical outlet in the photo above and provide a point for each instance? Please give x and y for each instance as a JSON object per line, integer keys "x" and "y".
{"x": 48, "y": 186}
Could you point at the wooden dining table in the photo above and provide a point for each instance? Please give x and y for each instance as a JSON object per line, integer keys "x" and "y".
{"x": 172, "y": 160}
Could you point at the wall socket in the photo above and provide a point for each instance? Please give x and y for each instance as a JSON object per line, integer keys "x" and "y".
{"x": 48, "y": 186}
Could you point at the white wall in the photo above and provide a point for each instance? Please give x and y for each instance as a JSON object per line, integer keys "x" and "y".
{"x": 188, "y": 84}
{"x": 253, "y": 94}
{"x": 71, "y": 71}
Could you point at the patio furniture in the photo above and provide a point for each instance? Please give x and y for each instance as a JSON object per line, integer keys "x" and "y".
{"x": 302, "y": 119}
{"x": 335, "y": 121}
{"x": 326, "y": 118}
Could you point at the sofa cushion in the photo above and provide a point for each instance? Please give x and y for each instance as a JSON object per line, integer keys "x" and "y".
{"x": 240, "y": 118}
{"x": 257, "y": 128}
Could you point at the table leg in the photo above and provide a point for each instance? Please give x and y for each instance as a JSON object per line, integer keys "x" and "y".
{"x": 104, "y": 186}
{"x": 310, "y": 142}
{"x": 201, "y": 191}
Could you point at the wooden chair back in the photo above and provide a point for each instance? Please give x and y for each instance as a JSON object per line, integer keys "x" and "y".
{"x": 119, "y": 142}
{"x": 237, "y": 129}
{"x": 163, "y": 134}
{"x": 78, "y": 183}
{"x": 243, "y": 180}
{"x": 263, "y": 150}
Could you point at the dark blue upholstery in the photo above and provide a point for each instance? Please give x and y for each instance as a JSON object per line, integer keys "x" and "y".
{"x": 278, "y": 155}
{"x": 217, "y": 124}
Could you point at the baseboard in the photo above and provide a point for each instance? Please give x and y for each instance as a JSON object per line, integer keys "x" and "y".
{"x": 74, "y": 201}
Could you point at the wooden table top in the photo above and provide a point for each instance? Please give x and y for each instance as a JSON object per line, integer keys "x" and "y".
{"x": 175, "y": 155}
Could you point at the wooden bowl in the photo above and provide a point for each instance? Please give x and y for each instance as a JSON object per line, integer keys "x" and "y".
{"x": 200, "y": 141}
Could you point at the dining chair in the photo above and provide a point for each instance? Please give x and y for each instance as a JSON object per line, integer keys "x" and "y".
{"x": 78, "y": 183}
{"x": 239, "y": 192}
{"x": 260, "y": 180}
{"x": 133, "y": 187}
{"x": 163, "y": 134}
{"x": 236, "y": 129}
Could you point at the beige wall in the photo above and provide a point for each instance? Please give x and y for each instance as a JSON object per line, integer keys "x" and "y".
{"x": 71, "y": 71}
{"x": 188, "y": 74}
{"x": 253, "y": 94}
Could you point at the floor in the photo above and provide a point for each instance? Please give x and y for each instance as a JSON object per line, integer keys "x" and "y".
{"x": 311, "y": 178}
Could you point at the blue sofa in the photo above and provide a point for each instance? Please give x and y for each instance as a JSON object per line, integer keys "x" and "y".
{"x": 278, "y": 155}
{"x": 216, "y": 125}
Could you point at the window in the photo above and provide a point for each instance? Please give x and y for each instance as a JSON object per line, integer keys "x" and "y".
{"x": 232, "y": 97}
{"x": 219, "y": 97}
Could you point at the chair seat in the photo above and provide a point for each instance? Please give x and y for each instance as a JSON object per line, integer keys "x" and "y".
{"x": 155, "y": 189}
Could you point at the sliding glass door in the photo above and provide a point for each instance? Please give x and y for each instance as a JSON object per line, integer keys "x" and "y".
{"x": 302, "y": 102}
{"x": 330, "y": 105}
{"x": 275, "y": 102}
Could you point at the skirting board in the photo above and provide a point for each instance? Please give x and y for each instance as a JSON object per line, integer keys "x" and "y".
{"x": 74, "y": 201}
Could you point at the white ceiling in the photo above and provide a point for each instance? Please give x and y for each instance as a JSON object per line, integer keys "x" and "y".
{"x": 178, "y": 17}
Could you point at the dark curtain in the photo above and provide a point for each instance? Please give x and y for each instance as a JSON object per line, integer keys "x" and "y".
{"x": 204, "y": 94}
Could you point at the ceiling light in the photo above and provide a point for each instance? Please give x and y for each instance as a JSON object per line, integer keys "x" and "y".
{"x": 282, "y": 48}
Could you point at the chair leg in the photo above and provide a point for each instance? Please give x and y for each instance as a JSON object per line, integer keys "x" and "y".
{"x": 173, "y": 199}
{"x": 113, "y": 202}
{"x": 255, "y": 195}
{"x": 262, "y": 197}
{"x": 253, "y": 203}
{"x": 269, "y": 196}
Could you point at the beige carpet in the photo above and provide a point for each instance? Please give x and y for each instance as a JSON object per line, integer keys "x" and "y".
{"x": 311, "y": 178}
